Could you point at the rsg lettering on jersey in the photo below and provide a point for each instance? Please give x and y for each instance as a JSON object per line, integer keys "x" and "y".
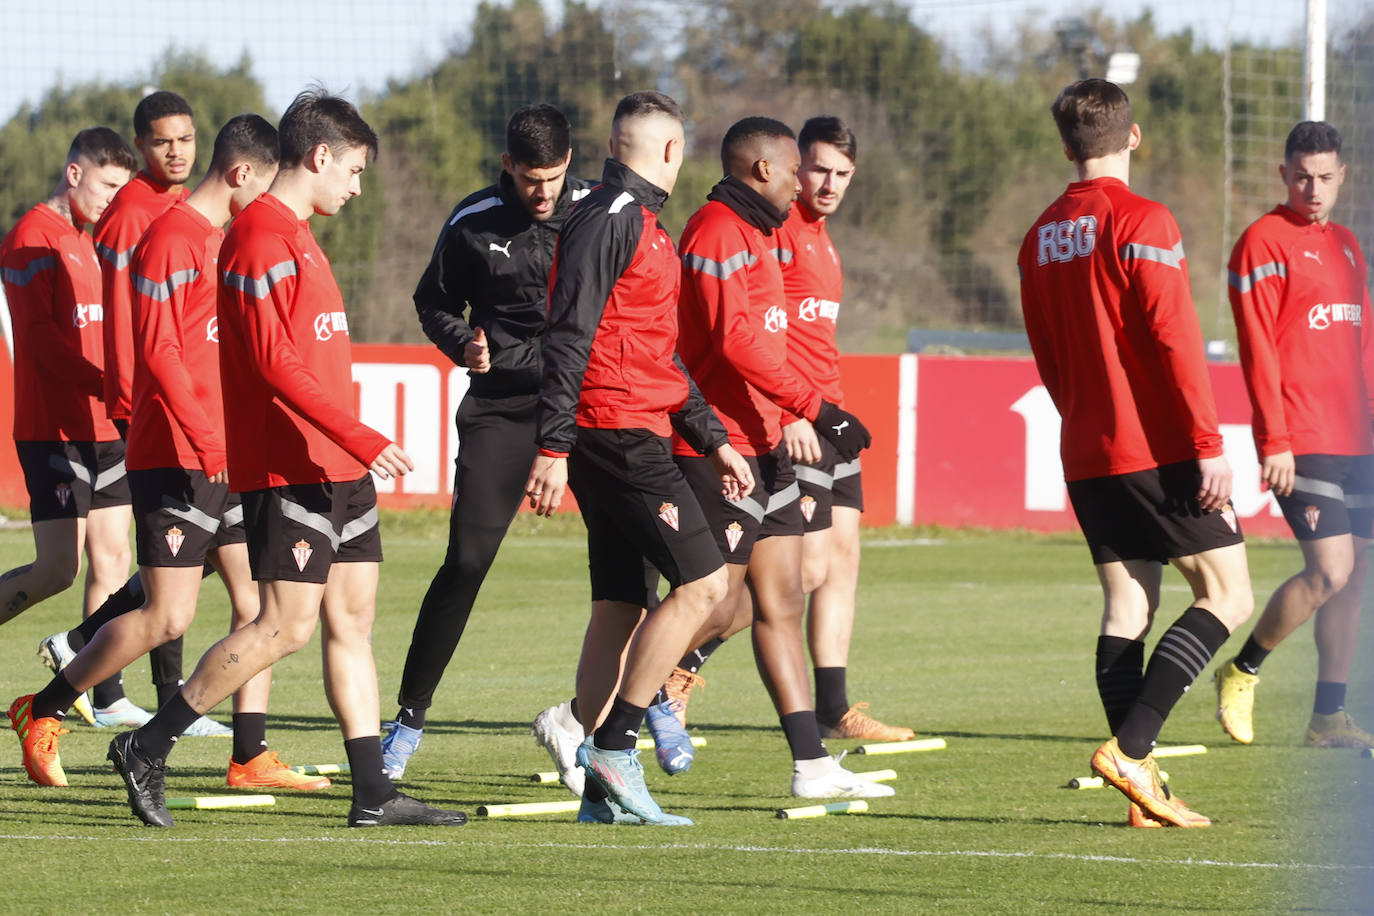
{"x": 326, "y": 323}
{"x": 1066, "y": 239}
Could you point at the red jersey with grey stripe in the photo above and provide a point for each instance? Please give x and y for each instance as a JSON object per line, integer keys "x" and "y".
{"x": 178, "y": 414}
{"x": 128, "y": 216}
{"x": 733, "y": 337}
{"x": 1105, "y": 297}
{"x": 285, "y": 358}
{"x": 813, "y": 283}
{"x": 52, "y": 283}
{"x": 1300, "y": 294}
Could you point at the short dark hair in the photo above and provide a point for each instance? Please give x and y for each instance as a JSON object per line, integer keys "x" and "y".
{"x": 747, "y": 130}
{"x": 829, "y": 129}
{"x": 158, "y": 105}
{"x": 645, "y": 102}
{"x": 245, "y": 137}
{"x": 1310, "y": 137}
{"x": 102, "y": 146}
{"x": 538, "y": 136}
{"x": 316, "y": 117}
{"x": 1094, "y": 118}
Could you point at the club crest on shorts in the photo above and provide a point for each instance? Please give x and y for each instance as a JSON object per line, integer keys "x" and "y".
{"x": 1228, "y": 515}
{"x": 733, "y": 533}
{"x": 63, "y": 494}
{"x": 301, "y": 551}
{"x": 808, "y": 507}
{"x": 1312, "y": 514}
{"x": 668, "y": 512}
{"x": 174, "y": 539}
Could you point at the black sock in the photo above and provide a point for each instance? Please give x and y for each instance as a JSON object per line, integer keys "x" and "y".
{"x": 371, "y": 787}
{"x": 54, "y": 700}
{"x": 620, "y": 731}
{"x": 165, "y": 691}
{"x": 156, "y": 738}
{"x": 832, "y": 699}
{"x": 1330, "y": 698}
{"x": 1179, "y": 657}
{"x": 693, "y": 660}
{"x": 411, "y": 716}
{"x": 572, "y": 704}
{"x": 108, "y": 692}
{"x": 250, "y": 735}
{"x": 1120, "y": 670}
{"x": 1251, "y": 656}
{"x": 803, "y": 735}
{"x": 165, "y": 663}
{"x": 128, "y": 597}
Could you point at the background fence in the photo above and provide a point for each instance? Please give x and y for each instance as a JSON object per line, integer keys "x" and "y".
{"x": 949, "y": 99}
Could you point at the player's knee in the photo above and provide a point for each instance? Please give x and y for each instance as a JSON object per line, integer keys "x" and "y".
{"x": 710, "y": 590}
{"x": 1326, "y": 580}
{"x": 814, "y": 570}
{"x": 54, "y": 573}
{"x": 1233, "y": 607}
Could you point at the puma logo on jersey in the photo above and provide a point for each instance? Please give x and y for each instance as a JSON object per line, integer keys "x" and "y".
{"x": 1321, "y": 316}
{"x": 1349, "y": 255}
{"x": 504, "y": 249}
{"x": 326, "y": 323}
{"x": 1314, "y": 255}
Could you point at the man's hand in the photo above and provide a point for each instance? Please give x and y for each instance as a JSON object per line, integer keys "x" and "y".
{"x": 802, "y": 445}
{"x": 737, "y": 480}
{"x": 1215, "y": 491}
{"x": 476, "y": 354}
{"x": 1278, "y": 472}
{"x": 220, "y": 476}
{"x": 843, "y": 430}
{"x": 546, "y": 484}
{"x": 392, "y": 462}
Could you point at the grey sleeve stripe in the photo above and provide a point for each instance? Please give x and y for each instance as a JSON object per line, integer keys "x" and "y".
{"x": 259, "y": 287}
{"x": 1243, "y": 284}
{"x": 784, "y": 498}
{"x": 25, "y": 276}
{"x": 721, "y": 270}
{"x": 848, "y": 469}
{"x": 65, "y": 465}
{"x": 161, "y": 292}
{"x": 190, "y": 514}
{"x": 807, "y": 473}
{"x": 1170, "y": 257}
{"x": 120, "y": 259}
{"x": 360, "y": 525}
{"x": 109, "y": 476}
{"x": 783, "y": 255}
{"x": 1313, "y": 487}
{"x": 484, "y": 204}
{"x": 314, "y": 520}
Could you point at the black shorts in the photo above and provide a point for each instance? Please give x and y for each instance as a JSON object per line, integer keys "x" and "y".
{"x": 296, "y": 532}
{"x": 69, "y": 479}
{"x": 774, "y": 508}
{"x": 178, "y": 514}
{"x": 1150, "y": 515}
{"x": 1332, "y": 495}
{"x": 231, "y": 530}
{"x": 637, "y": 506}
{"x": 831, "y": 483}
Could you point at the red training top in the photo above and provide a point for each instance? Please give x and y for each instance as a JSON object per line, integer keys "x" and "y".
{"x": 125, "y": 220}
{"x": 285, "y": 360}
{"x": 1105, "y": 297}
{"x": 732, "y": 318}
{"x": 178, "y": 415}
{"x": 52, "y": 282}
{"x": 813, "y": 282}
{"x": 1298, "y": 290}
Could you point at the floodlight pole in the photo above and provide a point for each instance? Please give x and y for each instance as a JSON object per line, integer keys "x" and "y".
{"x": 1314, "y": 62}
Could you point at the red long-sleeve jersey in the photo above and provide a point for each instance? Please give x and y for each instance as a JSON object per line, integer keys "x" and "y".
{"x": 813, "y": 283}
{"x": 52, "y": 283}
{"x": 1105, "y": 297}
{"x": 1301, "y": 300}
{"x": 732, "y": 329}
{"x": 178, "y": 413}
{"x": 125, "y": 220}
{"x": 285, "y": 358}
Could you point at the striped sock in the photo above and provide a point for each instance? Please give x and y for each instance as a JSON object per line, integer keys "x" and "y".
{"x": 1183, "y": 651}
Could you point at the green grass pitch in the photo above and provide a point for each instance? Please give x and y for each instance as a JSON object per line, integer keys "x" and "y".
{"x": 983, "y": 639}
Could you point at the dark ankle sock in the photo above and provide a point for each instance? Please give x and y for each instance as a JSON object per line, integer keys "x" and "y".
{"x": 1120, "y": 670}
{"x": 803, "y": 735}
{"x": 165, "y": 663}
{"x": 1251, "y": 656}
{"x": 165, "y": 691}
{"x": 157, "y": 737}
{"x": 693, "y": 660}
{"x": 54, "y": 700}
{"x": 371, "y": 787}
{"x": 572, "y": 704}
{"x": 128, "y": 597}
{"x": 832, "y": 699}
{"x": 108, "y": 692}
{"x": 1179, "y": 657}
{"x": 250, "y": 735}
{"x": 620, "y": 731}
{"x": 411, "y": 716}
{"x": 1330, "y": 699}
